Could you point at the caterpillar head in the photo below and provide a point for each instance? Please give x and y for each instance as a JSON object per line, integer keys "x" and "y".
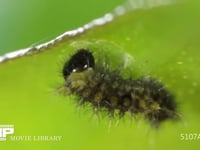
{"x": 80, "y": 61}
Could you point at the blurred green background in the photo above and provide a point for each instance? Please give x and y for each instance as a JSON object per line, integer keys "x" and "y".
{"x": 27, "y": 22}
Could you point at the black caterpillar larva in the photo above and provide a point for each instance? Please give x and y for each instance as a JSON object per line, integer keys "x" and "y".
{"x": 105, "y": 88}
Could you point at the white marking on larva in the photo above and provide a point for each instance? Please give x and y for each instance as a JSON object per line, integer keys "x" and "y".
{"x": 85, "y": 66}
{"x": 130, "y": 5}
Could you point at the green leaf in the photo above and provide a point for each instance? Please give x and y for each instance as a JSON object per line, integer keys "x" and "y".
{"x": 162, "y": 42}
